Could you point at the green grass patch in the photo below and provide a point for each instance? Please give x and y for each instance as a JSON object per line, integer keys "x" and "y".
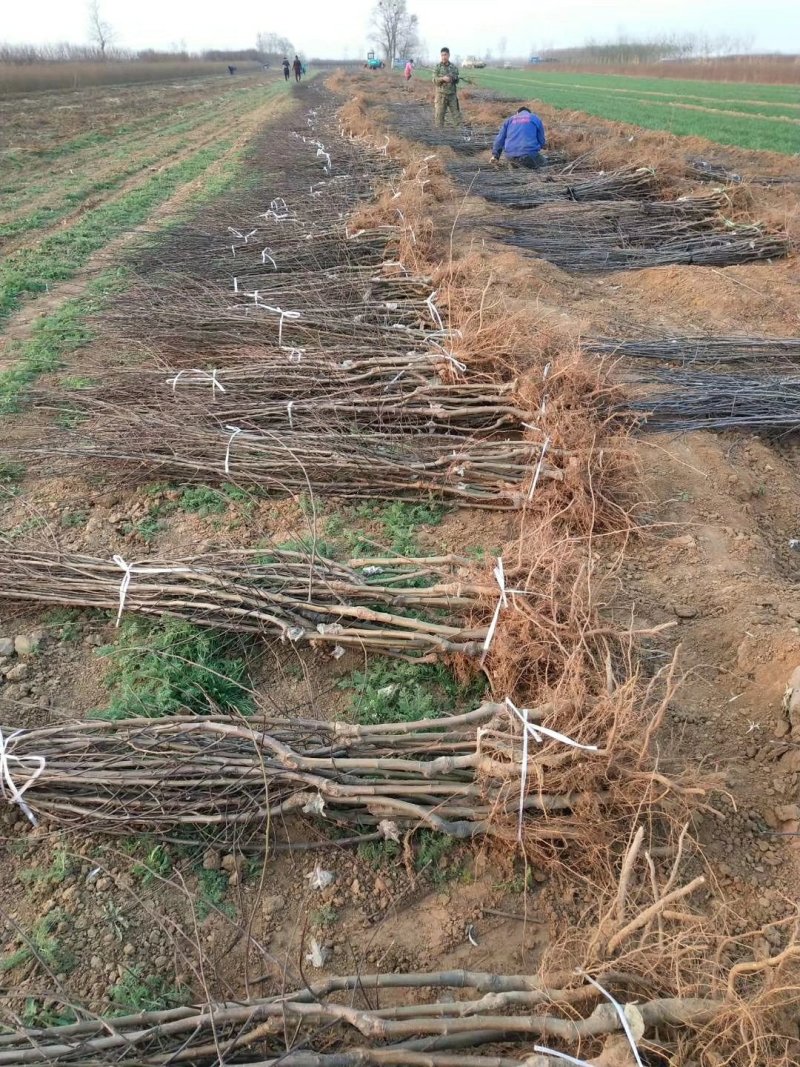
{"x": 136, "y": 992}
{"x": 324, "y": 917}
{"x": 62, "y": 865}
{"x": 170, "y": 666}
{"x": 156, "y": 865}
{"x": 35, "y": 1016}
{"x": 654, "y": 103}
{"x": 11, "y": 474}
{"x": 200, "y": 500}
{"x": 400, "y": 524}
{"x": 378, "y": 853}
{"x": 53, "y": 338}
{"x": 203, "y": 501}
{"x": 44, "y": 946}
{"x": 396, "y": 691}
{"x": 432, "y": 848}
{"x": 66, "y": 621}
{"x": 72, "y": 519}
{"x": 211, "y": 889}
{"x": 61, "y": 255}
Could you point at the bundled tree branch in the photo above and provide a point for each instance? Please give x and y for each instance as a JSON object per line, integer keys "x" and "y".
{"x": 703, "y": 350}
{"x": 768, "y": 404}
{"x": 457, "y": 775}
{"x": 287, "y": 594}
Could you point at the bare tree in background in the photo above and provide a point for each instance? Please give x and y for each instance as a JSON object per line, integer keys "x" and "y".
{"x": 394, "y": 29}
{"x": 273, "y": 46}
{"x": 101, "y": 33}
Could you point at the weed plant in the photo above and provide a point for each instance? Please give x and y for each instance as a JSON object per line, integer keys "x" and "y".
{"x": 161, "y": 668}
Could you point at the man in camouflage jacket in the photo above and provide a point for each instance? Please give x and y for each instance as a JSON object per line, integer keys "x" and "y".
{"x": 445, "y": 78}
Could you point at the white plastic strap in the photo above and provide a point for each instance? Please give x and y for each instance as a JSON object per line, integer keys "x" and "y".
{"x": 129, "y": 569}
{"x": 236, "y": 285}
{"x": 247, "y": 236}
{"x": 235, "y": 232}
{"x": 437, "y": 318}
{"x": 538, "y": 470}
{"x": 563, "y": 1056}
{"x": 283, "y": 315}
{"x": 623, "y": 1018}
{"x": 265, "y": 255}
{"x": 123, "y": 585}
{"x": 502, "y": 602}
{"x": 447, "y": 355}
{"x": 202, "y": 375}
{"x": 289, "y": 406}
{"x": 523, "y": 778}
{"x": 538, "y": 733}
{"x": 33, "y": 765}
{"x": 235, "y": 431}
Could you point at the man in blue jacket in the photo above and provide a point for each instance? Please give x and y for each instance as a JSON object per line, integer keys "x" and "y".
{"x": 522, "y": 137}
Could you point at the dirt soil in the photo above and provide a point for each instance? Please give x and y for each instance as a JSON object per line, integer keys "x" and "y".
{"x": 717, "y": 515}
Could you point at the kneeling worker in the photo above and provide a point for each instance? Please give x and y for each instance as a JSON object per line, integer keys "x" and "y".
{"x": 522, "y": 137}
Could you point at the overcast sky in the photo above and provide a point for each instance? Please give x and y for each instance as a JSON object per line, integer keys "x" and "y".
{"x": 338, "y": 29}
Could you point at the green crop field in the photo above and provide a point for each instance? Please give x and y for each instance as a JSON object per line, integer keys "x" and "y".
{"x": 747, "y": 115}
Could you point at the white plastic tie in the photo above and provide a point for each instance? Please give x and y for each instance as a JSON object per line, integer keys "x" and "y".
{"x": 437, "y": 318}
{"x": 236, "y": 285}
{"x": 289, "y": 406}
{"x": 283, "y": 315}
{"x": 538, "y": 471}
{"x": 235, "y": 232}
{"x": 235, "y": 431}
{"x": 202, "y": 376}
{"x": 265, "y": 255}
{"x": 123, "y": 585}
{"x": 32, "y": 765}
{"x": 523, "y": 778}
{"x": 131, "y": 568}
{"x": 447, "y": 355}
{"x": 563, "y": 1056}
{"x": 539, "y": 733}
{"x": 502, "y": 602}
{"x": 623, "y": 1017}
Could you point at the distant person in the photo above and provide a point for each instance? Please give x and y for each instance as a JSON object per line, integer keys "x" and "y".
{"x": 445, "y": 78}
{"x": 408, "y": 71}
{"x": 231, "y": 70}
{"x": 522, "y": 138}
{"x": 286, "y": 69}
{"x": 303, "y": 70}
{"x": 297, "y": 67}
